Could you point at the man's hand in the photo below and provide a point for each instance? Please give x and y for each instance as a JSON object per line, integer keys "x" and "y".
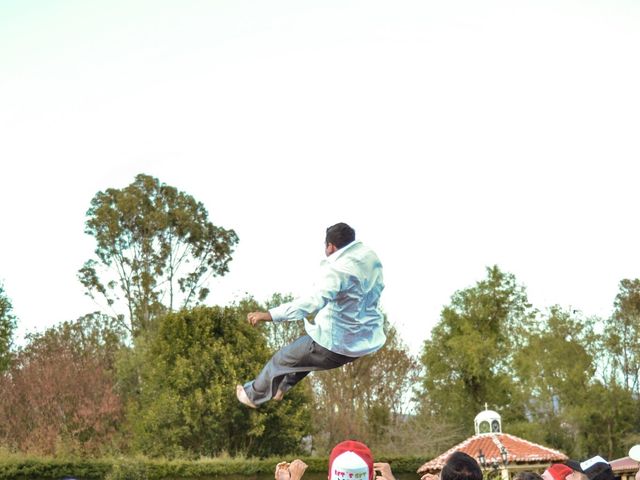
{"x": 282, "y": 471}
{"x": 385, "y": 471}
{"x": 254, "y": 317}
{"x": 290, "y": 471}
{"x": 297, "y": 468}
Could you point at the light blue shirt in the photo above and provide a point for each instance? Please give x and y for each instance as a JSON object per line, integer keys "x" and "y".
{"x": 346, "y": 298}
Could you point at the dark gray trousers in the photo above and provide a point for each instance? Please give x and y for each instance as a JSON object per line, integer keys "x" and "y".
{"x": 290, "y": 365}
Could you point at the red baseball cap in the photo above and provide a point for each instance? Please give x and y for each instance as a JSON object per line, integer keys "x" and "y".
{"x": 559, "y": 471}
{"x": 350, "y": 460}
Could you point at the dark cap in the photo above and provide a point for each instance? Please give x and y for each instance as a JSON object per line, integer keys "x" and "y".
{"x": 595, "y": 468}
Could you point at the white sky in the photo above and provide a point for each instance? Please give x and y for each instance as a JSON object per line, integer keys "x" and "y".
{"x": 451, "y": 134}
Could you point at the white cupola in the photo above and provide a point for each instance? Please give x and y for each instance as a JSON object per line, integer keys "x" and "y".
{"x": 488, "y": 421}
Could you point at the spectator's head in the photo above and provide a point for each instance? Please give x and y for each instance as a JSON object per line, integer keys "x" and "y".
{"x": 351, "y": 460}
{"x": 339, "y": 235}
{"x": 595, "y": 468}
{"x": 527, "y": 476}
{"x": 634, "y": 454}
{"x": 557, "y": 471}
{"x": 460, "y": 466}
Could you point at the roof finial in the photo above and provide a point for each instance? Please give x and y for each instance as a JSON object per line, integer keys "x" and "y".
{"x": 488, "y": 421}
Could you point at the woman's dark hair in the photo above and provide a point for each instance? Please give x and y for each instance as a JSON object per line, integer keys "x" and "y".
{"x": 340, "y": 235}
{"x": 461, "y": 466}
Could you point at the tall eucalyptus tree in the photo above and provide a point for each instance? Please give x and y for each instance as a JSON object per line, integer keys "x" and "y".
{"x": 156, "y": 249}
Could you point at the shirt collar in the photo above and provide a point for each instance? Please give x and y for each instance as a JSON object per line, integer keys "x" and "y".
{"x": 338, "y": 253}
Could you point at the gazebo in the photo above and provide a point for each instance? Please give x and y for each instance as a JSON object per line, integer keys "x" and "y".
{"x": 498, "y": 453}
{"x": 625, "y": 468}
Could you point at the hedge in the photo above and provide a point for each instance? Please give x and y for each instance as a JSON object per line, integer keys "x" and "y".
{"x": 16, "y": 468}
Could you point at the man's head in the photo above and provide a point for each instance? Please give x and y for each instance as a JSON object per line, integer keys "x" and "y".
{"x": 460, "y": 466}
{"x": 575, "y": 475}
{"x": 527, "y": 476}
{"x": 350, "y": 460}
{"x": 338, "y": 236}
{"x": 595, "y": 468}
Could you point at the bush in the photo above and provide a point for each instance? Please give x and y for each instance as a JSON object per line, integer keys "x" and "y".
{"x": 58, "y": 396}
{"x": 21, "y": 468}
{"x": 187, "y": 406}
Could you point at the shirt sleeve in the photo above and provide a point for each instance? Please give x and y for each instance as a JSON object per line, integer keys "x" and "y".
{"x": 325, "y": 289}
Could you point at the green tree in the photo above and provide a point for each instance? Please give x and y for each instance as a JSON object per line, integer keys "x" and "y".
{"x": 7, "y": 327}
{"x": 610, "y": 414}
{"x": 622, "y": 336}
{"x": 554, "y": 372}
{"x": 613, "y": 414}
{"x": 187, "y": 404}
{"x": 467, "y": 360}
{"x": 605, "y": 420}
{"x": 156, "y": 250}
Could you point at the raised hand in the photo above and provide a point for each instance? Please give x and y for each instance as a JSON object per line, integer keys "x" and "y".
{"x": 254, "y": 317}
{"x": 282, "y": 471}
{"x": 297, "y": 468}
{"x": 385, "y": 471}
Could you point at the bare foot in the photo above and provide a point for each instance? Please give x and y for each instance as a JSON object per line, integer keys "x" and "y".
{"x": 279, "y": 395}
{"x": 242, "y": 397}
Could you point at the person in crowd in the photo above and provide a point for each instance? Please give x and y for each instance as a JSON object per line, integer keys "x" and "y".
{"x": 460, "y": 466}
{"x": 557, "y": 471}
{"x": 348, "y": 322}
{"x": 349, "y": 460}
{"x": 594, "y": 468}
{"x": 527, "y": 476}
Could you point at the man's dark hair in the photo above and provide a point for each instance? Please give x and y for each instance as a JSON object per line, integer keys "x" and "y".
{"x": 340, "y": 235}
{"x": 527, "y": 476}
{"x": 461, "y": 466}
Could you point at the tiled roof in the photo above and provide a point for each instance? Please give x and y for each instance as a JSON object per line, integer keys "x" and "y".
{"x": 519, "y": 451}
{"x": 624, "y": 464}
